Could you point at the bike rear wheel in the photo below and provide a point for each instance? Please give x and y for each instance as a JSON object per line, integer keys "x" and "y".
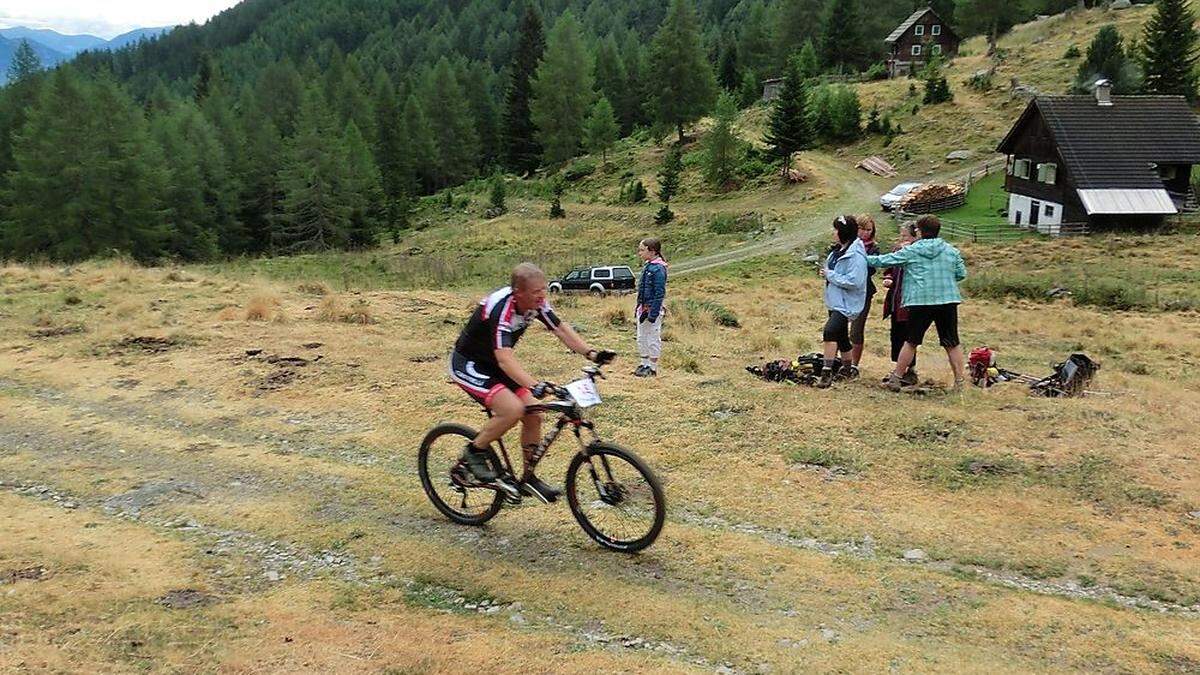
{"x": 615, "y": 497}
{"x": 445, "y": 480}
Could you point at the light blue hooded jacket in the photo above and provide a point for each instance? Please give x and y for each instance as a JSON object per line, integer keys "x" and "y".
{"x": 846, "y": 281}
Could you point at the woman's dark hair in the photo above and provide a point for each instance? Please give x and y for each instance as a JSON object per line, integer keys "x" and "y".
{"x": 654, "y": 244}
{"x": 929, "y": 226}
{"x": 847, "y": 228}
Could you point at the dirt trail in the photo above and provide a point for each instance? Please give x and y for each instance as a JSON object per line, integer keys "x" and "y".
{"x": 858, "y": 192}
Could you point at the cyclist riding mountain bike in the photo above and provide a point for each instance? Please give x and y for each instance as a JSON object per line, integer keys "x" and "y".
{"x": 484, "y": 365}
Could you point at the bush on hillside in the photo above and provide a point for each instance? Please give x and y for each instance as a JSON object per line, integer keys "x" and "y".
{"x": 579, "y": 170}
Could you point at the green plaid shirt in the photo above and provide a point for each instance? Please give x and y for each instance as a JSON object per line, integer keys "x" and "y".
{"x": 932, "y": 270}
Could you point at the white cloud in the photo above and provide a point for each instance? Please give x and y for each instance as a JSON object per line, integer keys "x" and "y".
{"x": 107, "y": 18}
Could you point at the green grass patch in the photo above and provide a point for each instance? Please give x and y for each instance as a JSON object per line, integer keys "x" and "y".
{"x": 826, "y": 457}
{"x": 985, "y": 202}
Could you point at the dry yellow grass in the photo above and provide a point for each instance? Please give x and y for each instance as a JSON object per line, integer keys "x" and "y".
{"x": 730, "y": 580}
{"x": 264, "y": 307}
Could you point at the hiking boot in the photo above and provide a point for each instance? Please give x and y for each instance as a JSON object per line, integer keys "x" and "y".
{"x": 534, "y": 486}
{"x": 849, "y": 371}
{"x": 826, "y": 380}
{"x": 652, "y": 372}
{"x": 908, "y": 379}
{"x": 958, "y": 384}
{"x": 641, "y": 370}
{"x": 478, "y": 464}
{"x": 893, "y": 383}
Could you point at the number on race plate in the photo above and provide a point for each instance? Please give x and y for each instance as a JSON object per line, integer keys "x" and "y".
{"x": 584, "y": 392}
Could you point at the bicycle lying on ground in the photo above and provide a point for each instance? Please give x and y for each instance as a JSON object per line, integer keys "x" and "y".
{"x": 615, "y": 497}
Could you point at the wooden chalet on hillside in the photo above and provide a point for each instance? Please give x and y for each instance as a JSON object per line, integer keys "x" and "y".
{"x": 1102, "y": 160}
{"x": 922, "y": 35}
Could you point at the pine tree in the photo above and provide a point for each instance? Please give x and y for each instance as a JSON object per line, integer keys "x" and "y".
{"x": 807, "y": 61}
{"x": 798, "y": 23}
{"x": 390, "y": 153}
{"x": 668, "y": 183}
{"x": 637, "y": 101}
{"x": 1107, "y": 59}
{"x": 684, "y": 85}
{"x": 17, "y": 97}
{"x": 205, "y": 78}
{"x": 755, "y": 49}
{"x": 612, "y": 83}
{"x": 601, "y": 130}
{"x": 88, "y": 176}
{"x": 201, "y": 194}
{"x": 556, "y": 209}
{"x": 479, "y": 83}
{"x": 728, "y": 74}
{"x": 842, "y": 37}
{"x": 497, "y": 198}
{"x": 362, "y": 189}
{"x": 722, "y": 146}
{"x": 937, "y": 89}
{"x": 315, "y": 212}
{"x": 1169, "y": 50}
{"x": 790, "y": 129}
{"x": 259, "y": 176}
{"x": 522, "y": 151}
{"x": 279, "y": 91}
{"x": 25, "y": 63}
{"x": 750, "y": 91}
{"x": 420, "y": 171}
{"x": 562, "y": 92}
{"x": 452, "y": 125}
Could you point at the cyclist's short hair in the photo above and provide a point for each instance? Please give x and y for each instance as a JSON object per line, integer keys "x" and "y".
{"x": 524, "y": 273}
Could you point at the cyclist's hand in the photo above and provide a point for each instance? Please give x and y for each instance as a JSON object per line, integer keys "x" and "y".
{"x": 542, "y": 389}
{"x": 603, "y": 357}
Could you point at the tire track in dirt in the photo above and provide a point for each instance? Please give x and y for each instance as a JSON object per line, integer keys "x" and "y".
{"x": 277, "y": 561}
{"x": 333, "y": 502}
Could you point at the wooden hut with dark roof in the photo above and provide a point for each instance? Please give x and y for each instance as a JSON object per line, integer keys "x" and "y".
{"x": 921, "y": 36}
{"x": 1100, "y": 160}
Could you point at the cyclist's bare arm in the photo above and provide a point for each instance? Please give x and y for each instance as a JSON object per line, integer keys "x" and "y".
{"x": 513, "y": 368}
{"x": 571, "y": 339}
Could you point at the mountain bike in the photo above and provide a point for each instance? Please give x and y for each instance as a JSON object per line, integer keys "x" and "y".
{"x": 613, "y": 494}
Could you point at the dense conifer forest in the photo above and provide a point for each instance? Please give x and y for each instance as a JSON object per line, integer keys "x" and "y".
{"x": 290, "y": 125}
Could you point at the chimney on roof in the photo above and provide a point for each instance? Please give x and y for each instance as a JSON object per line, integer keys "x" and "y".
{"x": 1104, "y": 92}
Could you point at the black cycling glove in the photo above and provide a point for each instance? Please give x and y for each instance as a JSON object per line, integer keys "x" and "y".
{"x": 602, "y": 357}
{"x": 540, "y": 389}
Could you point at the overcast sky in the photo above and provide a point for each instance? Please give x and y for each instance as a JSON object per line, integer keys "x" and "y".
{"x": 106, "y": 18}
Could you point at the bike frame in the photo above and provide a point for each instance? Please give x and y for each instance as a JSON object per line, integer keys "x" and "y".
{"x": 569, "y": 414}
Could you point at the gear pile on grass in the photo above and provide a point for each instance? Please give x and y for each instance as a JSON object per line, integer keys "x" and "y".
{"x": 804, "y": 369}
{"x": 1070, "y": 377}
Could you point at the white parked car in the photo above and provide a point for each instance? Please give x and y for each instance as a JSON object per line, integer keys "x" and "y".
{"x": 889, "y": 201}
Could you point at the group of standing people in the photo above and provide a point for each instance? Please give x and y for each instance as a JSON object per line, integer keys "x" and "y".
{"x": 921, "y": 277}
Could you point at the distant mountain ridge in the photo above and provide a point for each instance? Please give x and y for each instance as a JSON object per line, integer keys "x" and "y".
{"x": 53, "y": 47}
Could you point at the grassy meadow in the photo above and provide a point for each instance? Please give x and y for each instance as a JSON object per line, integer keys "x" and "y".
{"x": 948, "y": 531}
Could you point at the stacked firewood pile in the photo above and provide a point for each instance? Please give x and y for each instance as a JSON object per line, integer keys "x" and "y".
{"x": 933, "y": 197}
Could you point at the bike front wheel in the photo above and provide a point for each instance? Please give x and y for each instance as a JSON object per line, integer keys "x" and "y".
{"x": 616, "y": 498}
{"x": 445, "y": 479}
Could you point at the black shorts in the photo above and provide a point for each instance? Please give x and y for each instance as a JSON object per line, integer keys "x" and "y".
{"x": 482, "y": 380}
{"x": 945, "y": 317}
{"x": 837, "y": 329}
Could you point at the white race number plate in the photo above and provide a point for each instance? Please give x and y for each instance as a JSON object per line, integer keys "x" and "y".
{"x": 584, "y": 392}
